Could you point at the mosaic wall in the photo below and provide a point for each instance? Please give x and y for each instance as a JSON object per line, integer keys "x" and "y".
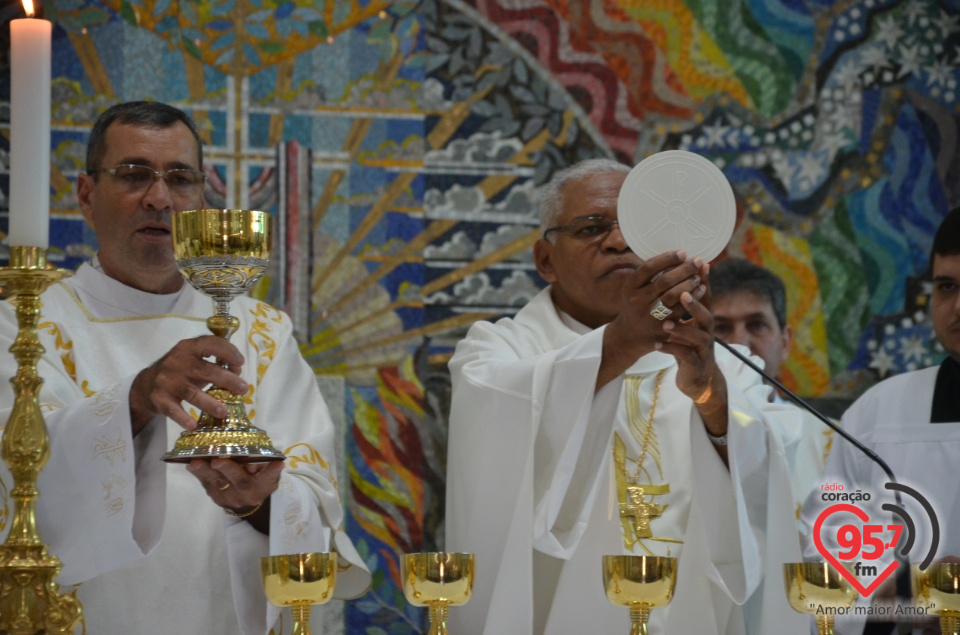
{"x": 400, "y": 146}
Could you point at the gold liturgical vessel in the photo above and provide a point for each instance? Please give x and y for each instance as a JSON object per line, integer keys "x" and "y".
{"x": 817, "y": 589}
{"x": 30, "y": 600}
{"x": 223, "y": 253}
{"x": 437, "y": 580}
{"x": 299, "y": 581}
{"x": 937, "y": 589}
{"x": 641, "y": 583}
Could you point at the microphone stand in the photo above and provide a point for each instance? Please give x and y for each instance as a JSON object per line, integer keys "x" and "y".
{"x": 903, "y": 583}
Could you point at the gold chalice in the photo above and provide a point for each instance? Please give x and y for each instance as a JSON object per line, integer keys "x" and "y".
{"x": 938, "y": 590}
{"x": 439, "y": 581}
{"x": 641, "y": 583}
{"x": 299, "y": 581}
{"x": 223, "y": 253}
{"x": 815, "y": 588}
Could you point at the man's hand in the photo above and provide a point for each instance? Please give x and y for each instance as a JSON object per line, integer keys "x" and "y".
{"x": 181, "y": 375}
{"x": 634, "y": 332}
{"x": 698, "y": 377}
{"x": 690, "y": 341}
{"x": 240, "y": 487}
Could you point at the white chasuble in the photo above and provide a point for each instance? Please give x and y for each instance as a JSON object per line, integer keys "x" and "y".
{"x": 532, "y": 488}
{"x": 149, "y": 551}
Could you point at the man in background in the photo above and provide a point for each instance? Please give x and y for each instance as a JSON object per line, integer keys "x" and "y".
{"x": 750, "y": 309}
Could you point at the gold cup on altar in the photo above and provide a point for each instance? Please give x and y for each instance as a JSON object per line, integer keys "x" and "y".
{"x": 641, "y": 583}
{"x": 937, "y": 589}
{"x": 222, "y": 253}
{"x": 438, "y": 581}
{"x": 299, "y": 581}
{"x": 818, "y": 589}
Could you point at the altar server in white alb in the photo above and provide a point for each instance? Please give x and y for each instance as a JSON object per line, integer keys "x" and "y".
{"x": 160, "y": 548}
{"x": 587, "y": 425}
{"x": 912, "y": 422}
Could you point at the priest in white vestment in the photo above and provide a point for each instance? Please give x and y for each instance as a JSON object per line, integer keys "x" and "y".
{"x": 587, "y": 425}
{"x": 158, "y": 548}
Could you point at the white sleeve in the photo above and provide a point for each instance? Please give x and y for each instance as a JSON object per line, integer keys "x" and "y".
{"x": 549, "y": 400}
{"x": 306, "y": 514}
{"x": 762, "y": 510}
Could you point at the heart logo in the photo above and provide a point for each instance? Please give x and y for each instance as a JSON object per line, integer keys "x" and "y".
{"x": 842, "y": 570}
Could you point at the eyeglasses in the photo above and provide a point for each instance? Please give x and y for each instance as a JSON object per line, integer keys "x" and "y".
{"x": 586, "y": 228}
{"x": 181, "y": 182}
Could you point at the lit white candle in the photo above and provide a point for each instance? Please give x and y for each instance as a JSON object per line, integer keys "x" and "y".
{"x": 30, "y": 131}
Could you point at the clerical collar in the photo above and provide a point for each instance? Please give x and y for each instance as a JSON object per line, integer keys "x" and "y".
{"x": 105, "y": 297}
{"x": 946, "y": 393}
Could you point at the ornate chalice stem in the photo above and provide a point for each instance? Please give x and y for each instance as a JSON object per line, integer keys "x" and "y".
{"x": 824, "y": 624}
{"x": 639, "y": 616}
{"x": 301, "y": 619}
{"x": 439, "y": 611}
{"x": 950, "y": 623}
{"x": 29, "y": 598}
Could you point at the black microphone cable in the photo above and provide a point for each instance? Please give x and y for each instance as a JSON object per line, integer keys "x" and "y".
{"x": 902, "y": 580}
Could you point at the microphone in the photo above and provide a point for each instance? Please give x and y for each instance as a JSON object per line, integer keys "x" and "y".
{"x": 873, "y": 456}
{"x": 902, "y": 578}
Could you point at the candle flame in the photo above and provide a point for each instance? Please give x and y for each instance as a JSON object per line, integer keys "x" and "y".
{"x": 28, "y": 7}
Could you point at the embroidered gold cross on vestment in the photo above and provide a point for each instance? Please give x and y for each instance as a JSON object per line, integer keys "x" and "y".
{"x": 640, "y": 510}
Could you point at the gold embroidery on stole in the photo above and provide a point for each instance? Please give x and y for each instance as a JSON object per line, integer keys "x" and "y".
{"x": 636, "y": 499}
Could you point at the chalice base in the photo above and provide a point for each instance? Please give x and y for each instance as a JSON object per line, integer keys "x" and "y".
{"x": 231, "y": 438}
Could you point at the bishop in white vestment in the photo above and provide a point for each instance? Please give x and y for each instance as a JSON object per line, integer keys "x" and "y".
{"x": 532, "y": 487}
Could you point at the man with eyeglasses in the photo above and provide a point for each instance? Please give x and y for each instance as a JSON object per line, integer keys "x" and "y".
{"x": 601, "y": 420}
{"x": 159, "y": 548}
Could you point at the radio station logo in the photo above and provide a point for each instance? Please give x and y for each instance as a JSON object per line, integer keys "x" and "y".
{"x": 862, "y": 540}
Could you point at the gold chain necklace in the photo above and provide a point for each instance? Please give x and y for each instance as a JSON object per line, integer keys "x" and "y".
{"x": 633, "y": 405}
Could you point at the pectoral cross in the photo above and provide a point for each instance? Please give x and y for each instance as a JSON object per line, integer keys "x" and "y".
{"x": 640, "y": 510}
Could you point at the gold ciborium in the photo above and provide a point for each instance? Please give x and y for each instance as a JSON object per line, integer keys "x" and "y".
{"x": 817, "y": 589}
{"x": 299, "y": 581}
{"x": 223, "y": 253}
{"x": 439, "y": 581}
{"x": 938, "y": 590}
{"x": 641, "y": 583}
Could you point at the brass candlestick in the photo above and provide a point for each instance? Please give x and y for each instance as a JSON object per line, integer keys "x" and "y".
{"x": 222, "y": 253}
{"x": 641, "y": 583}
{"x": 438, "y": 581}
{"x": 938, "y": 590}
{"x": 30, "y": 600}
{"x": 817, "y": 589}
{"x": 299, "y": 581}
